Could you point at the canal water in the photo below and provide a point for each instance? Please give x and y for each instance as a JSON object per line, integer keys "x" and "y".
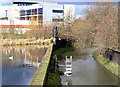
{"x": 86, "y": 71}
{"x": 19, "y": 64}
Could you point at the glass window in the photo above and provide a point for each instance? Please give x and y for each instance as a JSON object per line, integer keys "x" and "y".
{"x": 22, "y": 18}
{"x": 28, "y": 12}
{"x": 34, "y": 11}
{"x": 24, "y": 4}
{"x": 28, "y": 18}
{"x": 40, "y": 10}
{"x": 57, "y": 11}
{"x": 22, "y": 13}
{"x": 57, "y": 20}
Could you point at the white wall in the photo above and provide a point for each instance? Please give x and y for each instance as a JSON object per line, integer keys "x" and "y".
{"x": 16, "y": 22}
{"x": 4, "y": 22}
{"x": 48, "y": 15}
{"x": 13, "y": 13}
{"x": 69, "y": 9}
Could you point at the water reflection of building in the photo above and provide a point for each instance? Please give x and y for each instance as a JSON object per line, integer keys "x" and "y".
{"x": 26, "y": 57}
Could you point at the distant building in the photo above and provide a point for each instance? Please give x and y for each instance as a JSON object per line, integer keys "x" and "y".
{"x": 22, "y": 13}
{"x": 42, "y": 12}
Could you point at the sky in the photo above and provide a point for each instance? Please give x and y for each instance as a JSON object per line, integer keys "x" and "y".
{"x": 80, "y": 5}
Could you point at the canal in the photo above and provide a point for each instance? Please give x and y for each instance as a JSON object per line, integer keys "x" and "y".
{"x": 19, "y": 64}
{"x": 86, "y": 71}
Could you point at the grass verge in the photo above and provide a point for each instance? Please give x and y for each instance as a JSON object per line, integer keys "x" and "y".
{"x": 14, "y": 36}
{"x": 63, "y": 50}
{"x": 110, "y": 65}
{"x": 54, "y": 79}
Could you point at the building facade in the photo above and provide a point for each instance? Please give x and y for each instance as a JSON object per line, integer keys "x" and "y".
{"x": 23, "y": 13}
{"x": 41, "y": 12}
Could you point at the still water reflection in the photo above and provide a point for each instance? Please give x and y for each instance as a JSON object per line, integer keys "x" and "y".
{"x": 86, "y": 71}
{"x": 19, "y": 64}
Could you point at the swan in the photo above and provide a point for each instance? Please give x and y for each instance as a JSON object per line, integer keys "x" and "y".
{"x": 11, "y": 58}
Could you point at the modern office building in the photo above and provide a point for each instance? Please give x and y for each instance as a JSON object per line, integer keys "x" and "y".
{"x": 41, "y": 12}
{"x": 25, "y": 13}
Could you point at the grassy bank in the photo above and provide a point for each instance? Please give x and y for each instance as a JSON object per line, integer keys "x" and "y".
{"x": 14, "y": 36}
{"x": 110, "y": 65}
{"x": 116, "y": 50}
{"x": 63, "y": 50}
{"x": 54, "y": 79}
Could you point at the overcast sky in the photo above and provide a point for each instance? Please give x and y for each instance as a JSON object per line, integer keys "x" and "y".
{"x": 80, "y": 5}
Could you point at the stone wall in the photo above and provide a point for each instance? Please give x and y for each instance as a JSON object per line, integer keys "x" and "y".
{"x": 112, "y": 55}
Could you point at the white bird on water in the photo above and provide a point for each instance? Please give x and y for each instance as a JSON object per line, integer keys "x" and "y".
{"x": 11, "y": 58}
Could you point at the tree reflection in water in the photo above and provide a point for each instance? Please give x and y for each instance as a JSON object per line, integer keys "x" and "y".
{"x": 20, "y": 69}
{"x": 24, "y": 57}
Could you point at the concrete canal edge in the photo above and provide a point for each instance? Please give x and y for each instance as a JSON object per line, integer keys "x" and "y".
{"x": 40, "y": 75}
{"x": 110, "y": 65}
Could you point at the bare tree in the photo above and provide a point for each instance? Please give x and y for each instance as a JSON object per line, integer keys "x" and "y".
{"x": 104, "y": 20}
{"x": 65, "y": 28}
{"x": 78, "y": 31}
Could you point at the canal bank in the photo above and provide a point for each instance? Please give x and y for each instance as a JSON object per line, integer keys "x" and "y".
{"x": 41, "y": 75}
{"x": 108, "y": 64}
{"x": 87, "y": 71}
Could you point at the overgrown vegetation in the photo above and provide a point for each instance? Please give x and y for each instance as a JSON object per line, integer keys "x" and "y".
{"x": 54, "y": 79}
{"x": 14, "y": 36}
{"x": 116, "y": 50}
{"x": 54, "y": 75}
{"x": 39, "y": 30}
{"x": 104, "y": 20}
{"x": 110, "y": 65}
{"x": 99, "y": 27}
{"x": 40, "y": 33}
{"x": 34, "y": 30}
{"x": 63, "y": 50}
